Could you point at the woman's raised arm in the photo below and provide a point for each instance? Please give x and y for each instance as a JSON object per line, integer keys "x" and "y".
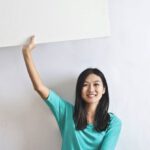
{"x": 33, "y": 74}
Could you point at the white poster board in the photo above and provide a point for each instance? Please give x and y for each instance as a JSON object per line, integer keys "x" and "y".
{"x": 52, "y": 20}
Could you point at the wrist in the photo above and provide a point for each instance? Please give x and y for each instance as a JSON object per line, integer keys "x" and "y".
{"x": 26, "y": 52}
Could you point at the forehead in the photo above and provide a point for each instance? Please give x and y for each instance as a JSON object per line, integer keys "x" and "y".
{"x": 93, "y": 78}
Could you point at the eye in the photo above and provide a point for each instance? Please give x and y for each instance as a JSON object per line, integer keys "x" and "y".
{"x": 85, "y": 84}
{"x": 96, "y": 84}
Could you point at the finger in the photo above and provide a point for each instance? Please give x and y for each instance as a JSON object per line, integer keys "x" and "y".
{"x": 32, "y": 39}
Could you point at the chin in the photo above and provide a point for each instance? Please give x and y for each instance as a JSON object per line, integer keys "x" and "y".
{"x": 91, "y": 101}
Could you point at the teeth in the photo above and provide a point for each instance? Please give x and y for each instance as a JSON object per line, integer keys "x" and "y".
{"x": 91, "y": 95}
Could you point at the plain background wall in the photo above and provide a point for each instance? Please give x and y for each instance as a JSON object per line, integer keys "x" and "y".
{"x": 26, "y": 123}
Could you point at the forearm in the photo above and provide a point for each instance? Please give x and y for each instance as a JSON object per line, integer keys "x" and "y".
{"x": 33, "y": 73}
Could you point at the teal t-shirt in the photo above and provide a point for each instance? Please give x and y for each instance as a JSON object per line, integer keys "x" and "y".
{"x": 86, "y": 139}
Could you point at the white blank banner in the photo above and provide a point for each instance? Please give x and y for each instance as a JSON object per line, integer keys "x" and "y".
{"x": 52, "y": 20}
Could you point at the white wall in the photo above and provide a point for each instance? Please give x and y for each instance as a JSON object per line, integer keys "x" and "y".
{"x": 52, "y": 20}
{"x": 25, "y": 120}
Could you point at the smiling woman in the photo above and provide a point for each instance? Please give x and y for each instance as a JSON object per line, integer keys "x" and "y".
{"x": 87, "y": 125}
{"x": 92, "y": 100}
{"x": 93, "y": 89}
{"x": 92, "y": 92}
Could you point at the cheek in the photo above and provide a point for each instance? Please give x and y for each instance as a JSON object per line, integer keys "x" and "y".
{"x": 83, "y": 91}
{"x": 100, "y": 95}
{"x": 100, "y": 91}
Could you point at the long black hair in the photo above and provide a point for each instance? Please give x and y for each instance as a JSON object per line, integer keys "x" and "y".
{"x": 101, "y": 118}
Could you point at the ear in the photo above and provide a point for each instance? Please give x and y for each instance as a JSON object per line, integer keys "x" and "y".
{"x": 103, "y": 90}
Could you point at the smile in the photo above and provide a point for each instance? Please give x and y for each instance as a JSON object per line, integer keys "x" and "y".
{"x": 91, "y": 95}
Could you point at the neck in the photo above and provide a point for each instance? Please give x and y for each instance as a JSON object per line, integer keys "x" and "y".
{"x": 91, "y": 109}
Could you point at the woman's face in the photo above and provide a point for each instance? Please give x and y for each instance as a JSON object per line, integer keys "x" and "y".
{"x": 93, "y": 89}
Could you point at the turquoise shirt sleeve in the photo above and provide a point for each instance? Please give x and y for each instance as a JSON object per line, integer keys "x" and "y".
{"x": 58, "y": 107}
{"x": 112, "y": 133}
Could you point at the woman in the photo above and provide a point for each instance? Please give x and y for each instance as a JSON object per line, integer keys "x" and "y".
{"x": 87, "y": 125}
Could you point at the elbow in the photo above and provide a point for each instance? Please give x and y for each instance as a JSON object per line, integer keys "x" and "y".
{"x": 37, "y": 88}
{"x": 42, "y": 91}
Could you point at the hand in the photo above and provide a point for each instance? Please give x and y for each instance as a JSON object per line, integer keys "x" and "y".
{"x": 29, "y": 45}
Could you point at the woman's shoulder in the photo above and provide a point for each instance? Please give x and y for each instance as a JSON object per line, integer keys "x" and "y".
{"x": 114, "y": 119}
{"x": 55, "y": 98}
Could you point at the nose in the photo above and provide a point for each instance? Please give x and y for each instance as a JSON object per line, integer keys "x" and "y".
{"x": 91, "y": 88}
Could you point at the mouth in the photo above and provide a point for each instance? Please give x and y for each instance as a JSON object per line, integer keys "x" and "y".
{"x": 91, "y": 95}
